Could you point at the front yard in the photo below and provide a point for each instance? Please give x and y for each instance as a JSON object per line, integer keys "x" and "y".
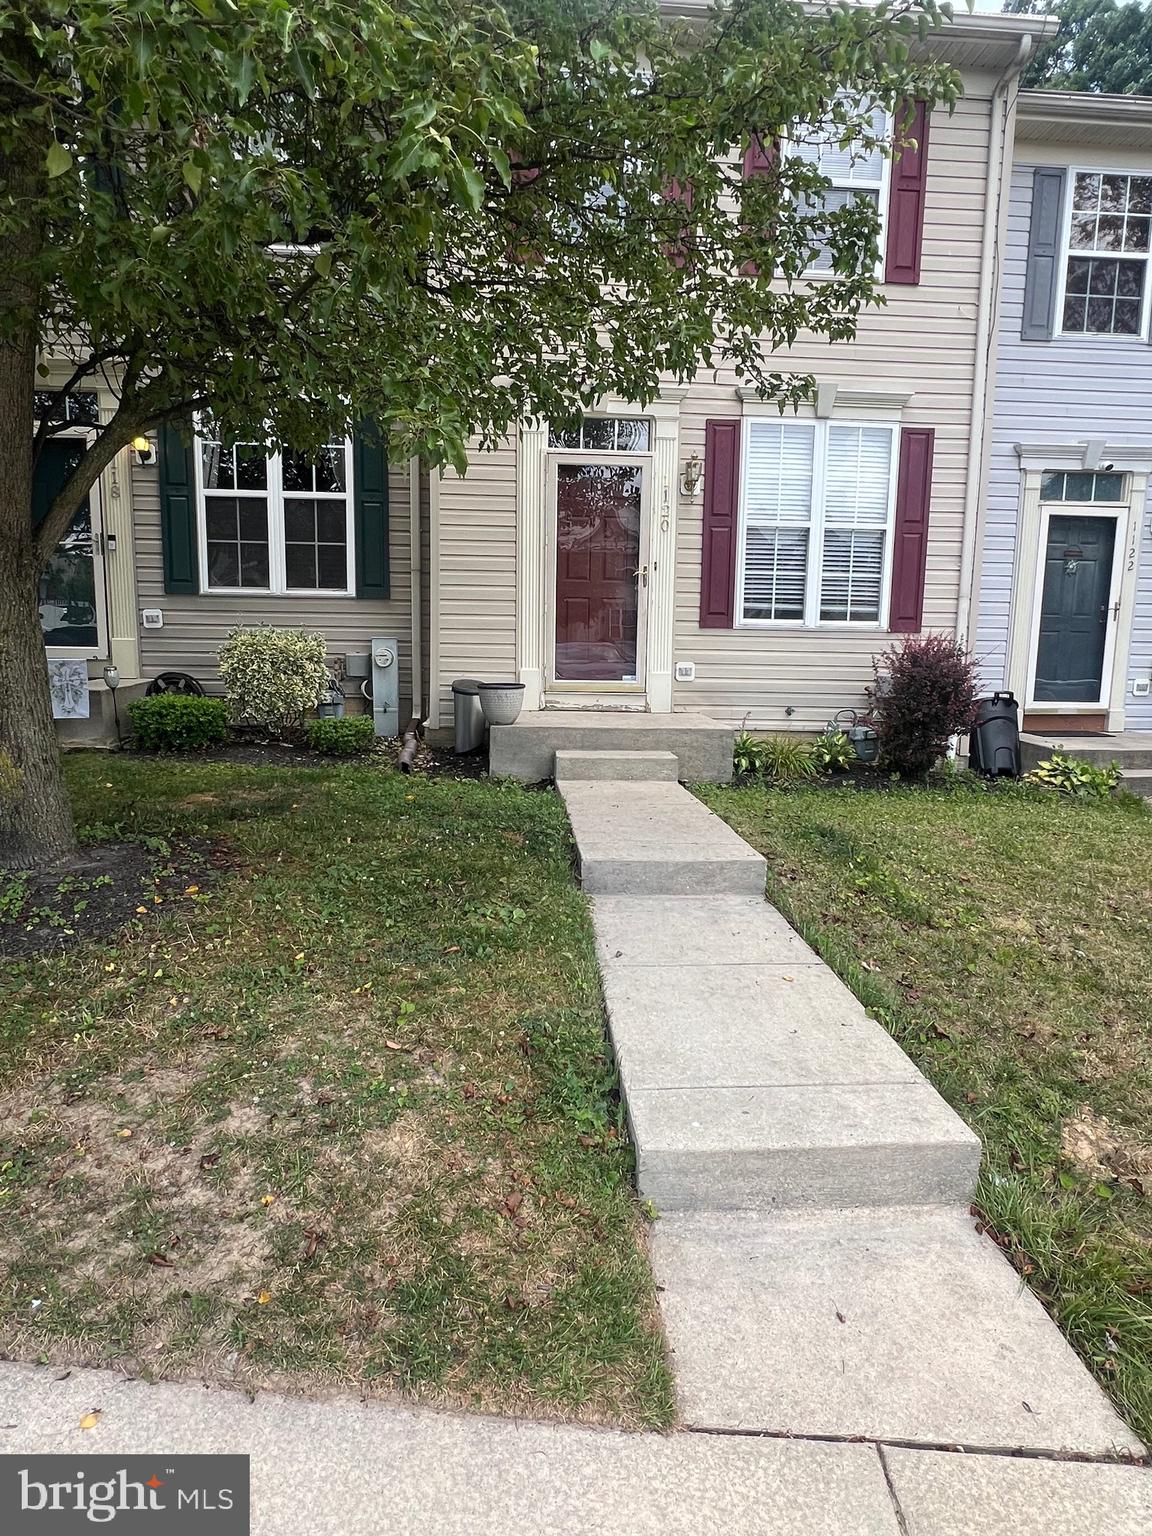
{"x": 338, "y": 1113}
{"x": 1006, "y": 940}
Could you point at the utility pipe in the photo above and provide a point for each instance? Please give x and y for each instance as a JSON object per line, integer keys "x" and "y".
{"x": 987, "y": 310}
{"x": 415, "y": 578}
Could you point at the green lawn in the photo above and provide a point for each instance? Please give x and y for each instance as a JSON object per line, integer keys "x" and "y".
{"x": 1006, "y": 941}
{"x": 343, "y": 1116}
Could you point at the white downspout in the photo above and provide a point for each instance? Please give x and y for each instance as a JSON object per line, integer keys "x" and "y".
{"x": 415, "y": 575}
{"x": 987, "y": 311}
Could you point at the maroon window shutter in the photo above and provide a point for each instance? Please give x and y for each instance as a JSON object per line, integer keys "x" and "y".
{"x": 910, "y": 547}
{"x": 721, "y": 523}
{"x": 759, "y": 160}
{"x": 680, "y": 192}
{"x": 906, "y": 196}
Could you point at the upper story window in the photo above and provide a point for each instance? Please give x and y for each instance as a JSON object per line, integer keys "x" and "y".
{"x": 81, "y": 408}
{"x": 1081, "y": 485}
{"x": 816, "y": 522}
{"x": 858, "y": 171}
{"x": 605, "y": 434}
{"x": 279, "y": 523}
{"x": 1107, "y": 251}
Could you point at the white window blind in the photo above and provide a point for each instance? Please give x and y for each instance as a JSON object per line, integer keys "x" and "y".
{"x": 857, "y": 491}
{"x": 778, "y": 511}
{"x": 817, "y": 522}
{"x": 856, "y": 171}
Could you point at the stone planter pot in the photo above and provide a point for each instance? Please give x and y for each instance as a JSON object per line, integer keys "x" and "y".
{"x": 501, "y": 702}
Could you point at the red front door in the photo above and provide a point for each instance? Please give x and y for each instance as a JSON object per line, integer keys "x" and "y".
{"x": 597, "y": 563}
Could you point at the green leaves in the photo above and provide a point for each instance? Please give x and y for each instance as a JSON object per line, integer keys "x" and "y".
{"x": 58, "y": 160}
{"x": 448, "y": 218}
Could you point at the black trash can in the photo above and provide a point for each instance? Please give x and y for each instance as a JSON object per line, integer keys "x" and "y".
{"x": 994, "y": 745}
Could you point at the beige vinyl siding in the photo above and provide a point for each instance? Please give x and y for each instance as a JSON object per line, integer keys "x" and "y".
{"x": 194, "y": 626}
{"x": 476, "y": 573}
{"x": 923, "y": 339}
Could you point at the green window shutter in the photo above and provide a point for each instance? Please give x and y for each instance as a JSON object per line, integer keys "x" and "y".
{"x": 178, "y": 511}
{"x": 370, "y": 497}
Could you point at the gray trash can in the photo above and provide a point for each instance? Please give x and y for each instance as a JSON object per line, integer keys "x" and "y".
{"x": 467, "y": 715}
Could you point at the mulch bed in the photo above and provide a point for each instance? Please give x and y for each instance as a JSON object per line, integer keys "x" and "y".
{"x": 98, "y": 891}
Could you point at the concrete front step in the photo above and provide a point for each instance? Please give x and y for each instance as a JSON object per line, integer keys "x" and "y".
{"x": 1136, "y": 783}
{"x": 527, "y": 750}
{"x": 1127, "y": 749}
{"x": 621, "y": 767}
{"x": 753, "y": 1077}
{"x": 656, "y": 839}
{"x": 895, "y": 1324}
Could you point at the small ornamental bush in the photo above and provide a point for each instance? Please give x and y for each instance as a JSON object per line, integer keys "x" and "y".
{"x": 273, "y": 677}
{"x": 344, "y": 737}
{"x": 833, "y": 753}
{"x": 1073, "y": 776}
{"x": 925, "y": 694}
{"x": 175, "y": 722}
{"x": 787, "y": 758}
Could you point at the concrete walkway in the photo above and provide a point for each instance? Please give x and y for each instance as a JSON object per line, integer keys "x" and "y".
{"x": 820, "y": 1273}
{"x": 346, "y": 1468}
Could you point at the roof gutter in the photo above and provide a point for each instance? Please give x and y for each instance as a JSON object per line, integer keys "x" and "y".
{"x": 987, "y": 310}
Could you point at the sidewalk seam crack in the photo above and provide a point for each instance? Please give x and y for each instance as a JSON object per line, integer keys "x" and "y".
{"x": 901, "y": 1522}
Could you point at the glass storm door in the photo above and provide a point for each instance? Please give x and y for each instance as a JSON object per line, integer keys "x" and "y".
{"x": 600, "y": 579}
{"x": 71, "y": 585}
{"x": 1074, "y": 610}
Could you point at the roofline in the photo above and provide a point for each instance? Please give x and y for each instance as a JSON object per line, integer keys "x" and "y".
{"x": 1085, "y": 107}
{"x": 972, "y": 26}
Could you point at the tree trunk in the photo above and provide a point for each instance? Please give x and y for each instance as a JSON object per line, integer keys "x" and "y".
{"x": 35, "y": 817}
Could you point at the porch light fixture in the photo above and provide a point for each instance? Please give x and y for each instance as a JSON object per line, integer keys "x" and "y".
{"x": 692, "y": 477}
{"x": 143, "y": 449}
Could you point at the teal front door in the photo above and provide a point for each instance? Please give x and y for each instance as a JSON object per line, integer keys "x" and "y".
{"x": 1075, "y": 610}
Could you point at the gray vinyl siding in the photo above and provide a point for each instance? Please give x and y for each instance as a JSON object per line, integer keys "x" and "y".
{"x": 195, "y": 626}
{"x": 1063, "y": 390}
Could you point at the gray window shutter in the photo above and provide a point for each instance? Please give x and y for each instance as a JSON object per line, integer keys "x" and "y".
{"x": 1043, "y": 253}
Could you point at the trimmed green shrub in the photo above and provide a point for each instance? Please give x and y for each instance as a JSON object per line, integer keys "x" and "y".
{"x": 176, "y": 722}
{"x": 273, "y": 677}
{"x": 344, "y": 737}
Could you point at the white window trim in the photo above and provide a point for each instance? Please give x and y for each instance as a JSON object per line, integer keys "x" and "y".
{"x": 275, "y": 497}
{"x": 1140, "y": 337}
{"x": 1118, "y": 512}
{"x": 790, "y": 146}
{"x": 817, "y": 527}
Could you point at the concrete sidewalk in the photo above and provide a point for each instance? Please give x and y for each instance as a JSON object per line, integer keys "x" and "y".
{"x": 347, "y": 1468}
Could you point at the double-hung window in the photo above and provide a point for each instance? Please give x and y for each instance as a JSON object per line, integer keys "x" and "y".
{"x": 816, "y": 526}
{"x": 279, "y": 523}
{"x": 1107, "y": 255}
{"x": 858, "y": 171}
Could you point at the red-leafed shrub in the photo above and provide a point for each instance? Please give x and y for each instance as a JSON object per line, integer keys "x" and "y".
{"x": 925, "y": 693}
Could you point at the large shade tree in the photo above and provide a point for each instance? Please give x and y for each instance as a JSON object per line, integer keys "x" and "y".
{"x": 1100, "y": 46}
{"x": 442, "y": 216}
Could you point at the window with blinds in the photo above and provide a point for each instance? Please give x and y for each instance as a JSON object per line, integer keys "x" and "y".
{"x": 816, "y": 531}
{"x": 857, "y": 170}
